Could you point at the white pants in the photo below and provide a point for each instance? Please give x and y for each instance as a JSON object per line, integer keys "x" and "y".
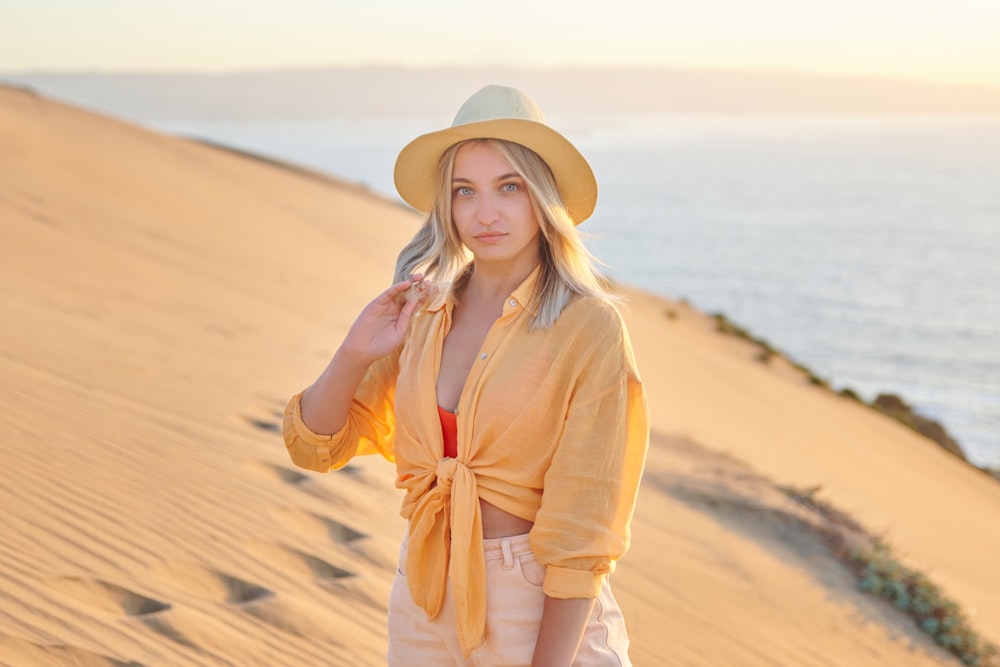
{"x": 514, "y": 600}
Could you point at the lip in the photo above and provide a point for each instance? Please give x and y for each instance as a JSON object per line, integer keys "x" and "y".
{"x": 490, "y": 237}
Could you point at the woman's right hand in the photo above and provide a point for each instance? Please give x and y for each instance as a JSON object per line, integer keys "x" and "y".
{"x": 382, "y": 324}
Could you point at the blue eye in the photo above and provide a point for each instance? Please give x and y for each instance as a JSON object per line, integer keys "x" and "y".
{"x": 509, "y": 187}
{"x": 463, "y": 191}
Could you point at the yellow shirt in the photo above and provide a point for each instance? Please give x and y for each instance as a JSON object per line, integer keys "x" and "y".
{"x": 552, "y": 427}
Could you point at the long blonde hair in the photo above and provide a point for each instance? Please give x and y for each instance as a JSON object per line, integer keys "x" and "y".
{"x": 567, "y": 267}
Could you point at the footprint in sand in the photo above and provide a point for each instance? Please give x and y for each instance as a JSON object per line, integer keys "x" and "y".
{"x": 346, "y": 585}
{"x": 14, "y": 651}
{"x": 295, "y": 617}
{"x": 293, "y": 561}
{"x": 265, "y": 416}
{"x": 304, "y": 522}
{"x": 279, "y": 473}
{"x": 208, "y": 584}
{"x": 263, "y": 424}
{"x": 106, "y": 597}
{"x": 292, "y": 477}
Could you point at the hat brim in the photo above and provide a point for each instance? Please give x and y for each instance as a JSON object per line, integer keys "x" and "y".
{"x": 417, "y": 165}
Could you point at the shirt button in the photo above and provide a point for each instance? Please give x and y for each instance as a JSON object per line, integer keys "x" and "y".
{"x": 513, "y": 303}
{"x": 482, "y": 356}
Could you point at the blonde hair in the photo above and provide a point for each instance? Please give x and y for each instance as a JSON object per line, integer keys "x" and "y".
{"x": 567, "y": 267}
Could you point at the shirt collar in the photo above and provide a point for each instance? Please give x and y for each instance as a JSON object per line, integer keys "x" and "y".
{"x": 439, "y": 301}
{"x": 523, "y": 295}
{"x": 525, "y": 292}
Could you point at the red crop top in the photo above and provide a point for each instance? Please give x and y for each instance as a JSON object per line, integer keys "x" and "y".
{"x": 449, "y": 429}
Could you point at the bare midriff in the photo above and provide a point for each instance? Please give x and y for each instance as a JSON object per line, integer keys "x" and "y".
{"x": 498, "y": 523}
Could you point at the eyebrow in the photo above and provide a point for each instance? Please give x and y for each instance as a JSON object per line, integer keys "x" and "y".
{"x": 495, "y": 180}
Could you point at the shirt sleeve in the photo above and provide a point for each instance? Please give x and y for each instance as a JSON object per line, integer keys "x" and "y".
{"x": 582, "y": 525}
{"x": 370, "y": 427}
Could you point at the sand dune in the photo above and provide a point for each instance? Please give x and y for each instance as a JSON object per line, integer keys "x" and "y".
{"x": 160, "y": 299}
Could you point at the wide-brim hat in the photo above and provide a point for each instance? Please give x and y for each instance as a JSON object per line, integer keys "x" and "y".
{"x": 498, "y": 112}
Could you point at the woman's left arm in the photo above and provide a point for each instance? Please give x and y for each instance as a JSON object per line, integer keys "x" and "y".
{"x": 582, "y": 525}
{"x": 563, "y": 623}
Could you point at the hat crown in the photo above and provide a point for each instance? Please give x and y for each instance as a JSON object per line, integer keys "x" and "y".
{"x": 496, "y": 102}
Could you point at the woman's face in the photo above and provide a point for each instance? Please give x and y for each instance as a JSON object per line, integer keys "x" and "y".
{"x": 491, "y": 207}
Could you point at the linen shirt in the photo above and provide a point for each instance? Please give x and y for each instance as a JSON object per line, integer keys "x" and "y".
{"x": 552, "y": 427}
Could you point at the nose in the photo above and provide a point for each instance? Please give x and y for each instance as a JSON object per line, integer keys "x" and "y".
{"x": 488, "y": 212}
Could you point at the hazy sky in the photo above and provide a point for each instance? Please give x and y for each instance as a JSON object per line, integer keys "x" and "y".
{"x": 936, "y": 40}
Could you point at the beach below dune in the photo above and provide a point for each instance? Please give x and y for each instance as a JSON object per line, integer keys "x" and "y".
{"x": 161, "y": 301}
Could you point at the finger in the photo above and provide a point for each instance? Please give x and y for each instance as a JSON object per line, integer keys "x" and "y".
{"x": 398, "y": 288}
{"x": 419, "y": 291}
{"x": 405, "y": 314}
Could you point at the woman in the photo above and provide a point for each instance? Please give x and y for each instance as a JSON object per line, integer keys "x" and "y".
{"x": 498, "y": 375}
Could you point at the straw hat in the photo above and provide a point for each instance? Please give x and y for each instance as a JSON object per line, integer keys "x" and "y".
{"x": 498, "y": 112}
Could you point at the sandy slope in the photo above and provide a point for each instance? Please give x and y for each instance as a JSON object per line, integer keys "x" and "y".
{"x": 159, "y": 300}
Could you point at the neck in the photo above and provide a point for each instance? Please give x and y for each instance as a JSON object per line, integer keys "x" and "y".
{"x": 489, "y": 283}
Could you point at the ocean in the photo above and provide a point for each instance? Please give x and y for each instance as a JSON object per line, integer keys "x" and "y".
{"x": 865, "y": 247}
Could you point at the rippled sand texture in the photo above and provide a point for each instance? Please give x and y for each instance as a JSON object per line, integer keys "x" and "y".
{"x": 159, "y": 301}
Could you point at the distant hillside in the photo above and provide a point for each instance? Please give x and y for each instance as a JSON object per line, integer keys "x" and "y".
{"x": 324, "y": 92}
